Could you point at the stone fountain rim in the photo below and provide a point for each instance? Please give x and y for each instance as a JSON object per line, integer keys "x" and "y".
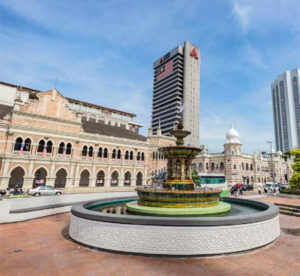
{"x": 271, "y": 211}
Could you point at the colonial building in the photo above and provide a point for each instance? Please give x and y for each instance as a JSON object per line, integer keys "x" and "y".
{"x": 46, "y": 138}
{"x": 244, "y": 168}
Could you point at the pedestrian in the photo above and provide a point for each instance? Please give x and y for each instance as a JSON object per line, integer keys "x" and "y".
{"x": 259, "y": 189}
{"x": 241, "y": 190}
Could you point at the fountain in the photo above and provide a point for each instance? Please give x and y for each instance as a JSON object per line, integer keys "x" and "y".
{"x": 179, "y": 197}
{"x": 176, "y": 219}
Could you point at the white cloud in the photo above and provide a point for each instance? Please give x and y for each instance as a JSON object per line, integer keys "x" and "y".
{"x": 243, "y": 14}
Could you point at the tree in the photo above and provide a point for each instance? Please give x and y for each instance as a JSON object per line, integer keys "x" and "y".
{"x": 195, "y": 177}
{"x": 295, "y": 179}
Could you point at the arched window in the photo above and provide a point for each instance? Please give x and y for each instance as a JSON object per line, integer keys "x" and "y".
{"x": 243, "y": 166}
{"x": 16, "y": 178}
{"x": 143, "y": 156}
{"x": 69, "y": 149}
{"x": 41, "y": 146}
{"x": 131, "y": 155}
{"x": 84, "y": 151}
{"x": 49, "y": 146}
{"x": 18, "y": 144}
{"x": 139, "y": 179}
{"x": 27, "y": 145}
{"x": 84, "y": 179}
{"x": 159, "y": 156}
{"x": 212, "y": 166}
{"x": 251, "y": 167}
{"x": 126, "y": 155}
{"x": 119, "y": 154}
{"x": 100, "y": 179}
{"x": 100, "y": 152}
{"x": 105, "y": 153}
{"x": 153, "y": 155}
{"x": 91, "y": 151}
{"x": 247, "y": 167}
{"x": 200, "y": 167}
{"x": 114, "y": 179}
{"x": 222, "y": 166}
{"x": 39, "y": 177}
{"x": 61, "y": 148}
{"x": 60, "y": 179}
{"x": 156, "y": 156}
{"x": 138, "y": 157}
{"x": 206, "y": 166}
{"x": 127, "y": 179}
{"x": 114, "y": 153}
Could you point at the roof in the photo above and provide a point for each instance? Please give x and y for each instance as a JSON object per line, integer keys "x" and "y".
{"x": 101, "y": 107}
{"x": 73, "y": 100}
{"x": 4, "y": 109}
{"x": 108, "y": 130}
{"x": 23, "y": 87}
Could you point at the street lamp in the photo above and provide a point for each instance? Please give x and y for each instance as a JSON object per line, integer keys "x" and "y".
{"x": 272, "y": 173}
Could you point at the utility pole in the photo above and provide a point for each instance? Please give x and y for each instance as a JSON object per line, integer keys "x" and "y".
{"x": 272, "y": 172}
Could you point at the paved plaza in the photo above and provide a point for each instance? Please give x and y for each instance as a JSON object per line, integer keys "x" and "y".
{"x": 41, "y": 247}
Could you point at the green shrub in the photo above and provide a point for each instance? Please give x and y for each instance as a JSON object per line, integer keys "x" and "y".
{"x": 290, "y": 191}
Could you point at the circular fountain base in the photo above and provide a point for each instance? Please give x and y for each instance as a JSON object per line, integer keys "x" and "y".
{"x": 175, "y": 236}
{"x": 135, "y": 208}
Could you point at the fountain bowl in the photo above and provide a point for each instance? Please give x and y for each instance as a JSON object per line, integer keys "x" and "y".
{"x": 174, "y": 236}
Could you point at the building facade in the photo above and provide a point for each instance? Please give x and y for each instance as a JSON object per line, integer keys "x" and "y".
{"x": 176, "y": 83}
{"x": 286, "y": 110}
{"x": 46, "y": 138}
{"x": 244, "y": 168}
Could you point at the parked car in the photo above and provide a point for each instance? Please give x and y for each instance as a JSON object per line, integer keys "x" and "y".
{"x": 2, "y": 192}
{"x": 282, "y": 186}
{"x": 248, "y": 187}
{"x": 45, "y": 190}
{"x": 269, "y": 186}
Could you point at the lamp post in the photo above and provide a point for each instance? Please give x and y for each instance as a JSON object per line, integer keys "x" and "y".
{"x": 272, "y": 173}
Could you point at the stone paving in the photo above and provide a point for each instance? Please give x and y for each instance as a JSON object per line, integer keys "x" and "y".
{"x": 40, "y": 247}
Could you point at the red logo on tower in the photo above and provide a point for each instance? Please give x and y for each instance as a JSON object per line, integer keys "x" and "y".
{"x": 193, "y": 53}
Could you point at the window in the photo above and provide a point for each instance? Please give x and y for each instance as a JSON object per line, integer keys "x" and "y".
{"x": 69, "y": 149}
{"x": 61, "y": 148}
{"x": 27, "y": 145}
{"x": 41, "y": 146}
{"x": 100, "y": 153}
{"x": 91, "y": 151}
{"x": 126, "y": 155}
{"x": 18, "y": 144}
{"x": 49, "y": 147}
{"x": 84, "y": 151}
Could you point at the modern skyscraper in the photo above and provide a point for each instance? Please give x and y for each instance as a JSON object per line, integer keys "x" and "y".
{"x": 286, "y": 110}
{"x": 176, "y": 82}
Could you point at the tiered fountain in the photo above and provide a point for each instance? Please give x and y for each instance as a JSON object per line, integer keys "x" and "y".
{"x": 177, "y": 219}
{"x": 178, "y": 197}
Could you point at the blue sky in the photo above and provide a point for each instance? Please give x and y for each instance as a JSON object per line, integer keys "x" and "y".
{"x": 103, "y": 51}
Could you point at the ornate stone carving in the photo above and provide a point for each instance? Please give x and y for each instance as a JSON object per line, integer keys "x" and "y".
{"x": 174, "y": 240}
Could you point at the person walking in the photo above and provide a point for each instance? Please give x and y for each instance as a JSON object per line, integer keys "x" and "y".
{"x": 259, "y": 189}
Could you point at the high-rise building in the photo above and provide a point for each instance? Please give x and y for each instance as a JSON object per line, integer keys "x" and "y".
{"x": 286, "y": 110}
{"x": 177, "y": 82}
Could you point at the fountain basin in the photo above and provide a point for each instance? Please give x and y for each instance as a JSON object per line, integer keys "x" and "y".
{"x": 178, "y": 198}
{"x": 135, "y": 208}
{"x": 180, "y": 236}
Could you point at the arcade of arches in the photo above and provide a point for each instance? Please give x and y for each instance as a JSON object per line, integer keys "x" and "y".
{"x": 17, "y": 177}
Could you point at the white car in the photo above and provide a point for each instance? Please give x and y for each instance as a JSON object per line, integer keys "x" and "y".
{"x": 45, "y": 190}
